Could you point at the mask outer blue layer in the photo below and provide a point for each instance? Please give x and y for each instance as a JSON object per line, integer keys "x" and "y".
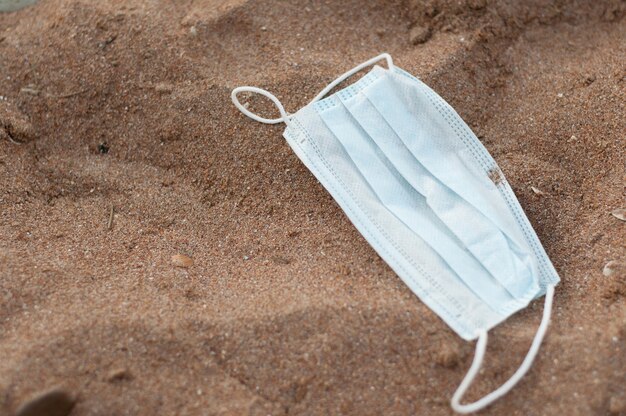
{"x": 423, "y": 191}
{"x": 427, "y": 196}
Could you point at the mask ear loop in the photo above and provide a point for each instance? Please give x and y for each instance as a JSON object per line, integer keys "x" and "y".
{"x": 481, "y": 345}
{"x": 353, "y": 71}
{"x": 286, "y": 117}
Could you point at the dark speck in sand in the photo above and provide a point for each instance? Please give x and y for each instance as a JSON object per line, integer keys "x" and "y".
{"x": 103, "y": 148}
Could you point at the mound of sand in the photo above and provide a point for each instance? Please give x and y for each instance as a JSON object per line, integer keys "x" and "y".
{"x": 132, "y": 153}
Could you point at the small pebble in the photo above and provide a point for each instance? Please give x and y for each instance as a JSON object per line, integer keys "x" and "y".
{"x": 29, "y": 90}
{"x": 448, "y": 356}
{"x": 589, "y": 79}
{"x": 617, "y": 405}
{"x": 15, "y": 126}
{"x": 613, "y": 267}
{"x": 119, "y": 374}
{"x": 281, "y": 260}
{"x": 163, "y": 88}
{"x": 619, "y": 213}
{"x": 537, "y": 191}
{"x": 193, "y": 31}
{"x": 419, "y": 34}
{"x": 54, "y": 402}
{"x": 180, "y": 260}
{"x": 476, "y": 4}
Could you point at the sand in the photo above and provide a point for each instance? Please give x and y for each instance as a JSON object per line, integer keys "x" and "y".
{"x": 131, "y": 153}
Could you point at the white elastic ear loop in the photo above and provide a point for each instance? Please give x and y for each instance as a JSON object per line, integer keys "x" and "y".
{"x": 284, "y": 115}
{"x": 481, "y": 345}
{"x": 353, "y": 71}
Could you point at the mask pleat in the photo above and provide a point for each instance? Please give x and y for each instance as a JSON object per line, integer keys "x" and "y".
{"x": 415, "y": 261}
{"x": 430, "y": 140}
{"x": 411, "y": 207}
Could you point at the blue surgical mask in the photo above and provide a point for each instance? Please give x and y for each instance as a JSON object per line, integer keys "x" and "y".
{"x": 427, "y": 196}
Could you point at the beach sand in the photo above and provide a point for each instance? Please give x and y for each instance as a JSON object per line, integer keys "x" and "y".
{"x": 132, "y": 152}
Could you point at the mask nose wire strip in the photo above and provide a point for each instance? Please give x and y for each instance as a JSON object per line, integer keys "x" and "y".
{"x": 481, "y": 345}
{"x": 284, "y": 116}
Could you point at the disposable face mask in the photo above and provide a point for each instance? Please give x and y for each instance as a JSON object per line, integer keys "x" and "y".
{"x": 427, "y": 196}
